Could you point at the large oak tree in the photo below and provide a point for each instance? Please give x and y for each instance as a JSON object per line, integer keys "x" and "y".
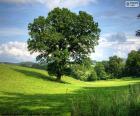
{"x": 62, "y": 37}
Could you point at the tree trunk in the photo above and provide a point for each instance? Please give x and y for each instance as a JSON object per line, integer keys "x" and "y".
{"x": 58, "y": 77}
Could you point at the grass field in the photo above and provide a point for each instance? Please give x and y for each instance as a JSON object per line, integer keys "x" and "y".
{"x": 31, "y": 91}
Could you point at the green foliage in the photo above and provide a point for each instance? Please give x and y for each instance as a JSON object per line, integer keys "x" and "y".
{"x": 28, "y": 91}
{"x": 83, "y": 70}
{"x": 79, "y": 71}
{"x": 106, "y": 66}
{"x": 62, "y": 37}
{"x": 100, "y": 70}
{"x": 133, "y": 63}
{"x": 34, "y": 65}
{"x": 119, "y": 103}
{"x": 116, "y": 66}
{"x": 92, "y": 76}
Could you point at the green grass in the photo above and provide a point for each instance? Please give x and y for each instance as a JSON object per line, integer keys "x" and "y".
{"x": 31, "y": 91}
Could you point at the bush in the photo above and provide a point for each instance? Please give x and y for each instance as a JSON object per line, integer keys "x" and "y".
{"x": 100, "y": 70}
{"x": 78, "y": 72}
{"x": 92, "y": 76}
{"x": 82, "y": 70}
{"x": 81, "y": 74}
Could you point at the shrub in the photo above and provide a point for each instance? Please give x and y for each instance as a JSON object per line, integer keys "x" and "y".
{"x": 92, "y": 76}
{"x": 100, "y": 70}
{"x": 82, "y": 70}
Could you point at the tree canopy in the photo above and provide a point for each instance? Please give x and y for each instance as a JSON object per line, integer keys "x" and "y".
{"x": 100, "y": 70}
{"x": 62, "y": 37}
{"x": 133, "y": 63}
{"x": 116, "y": 66}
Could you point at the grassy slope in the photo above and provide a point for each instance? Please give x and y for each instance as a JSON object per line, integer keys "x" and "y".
{"x": 27, "y": 90}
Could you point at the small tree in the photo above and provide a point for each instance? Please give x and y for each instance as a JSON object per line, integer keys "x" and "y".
{"x": 82, "y": 70}
{"x": 62, "y": 37}
{"x": 92, "y": 76}
{"x": 106, "y": 66}
{"x": 116, "y": 66}
{"x": 100, "y": 70}
{"x": 133, "y": 63}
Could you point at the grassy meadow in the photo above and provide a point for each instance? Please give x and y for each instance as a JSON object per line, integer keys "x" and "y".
{"x": 30, "y": 91}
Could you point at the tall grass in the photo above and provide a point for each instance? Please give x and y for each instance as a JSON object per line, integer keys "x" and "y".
{"x": 119, "y": 104}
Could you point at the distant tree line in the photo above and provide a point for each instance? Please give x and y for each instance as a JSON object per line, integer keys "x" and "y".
{"x": 33, "y": 65}
{"x": 115, "y": 67}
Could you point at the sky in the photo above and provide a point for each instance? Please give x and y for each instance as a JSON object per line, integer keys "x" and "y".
{"x": 117, "y": 23}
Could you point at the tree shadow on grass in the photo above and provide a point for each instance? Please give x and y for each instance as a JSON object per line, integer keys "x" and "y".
{"x": 39, "y": 75}
{"x": 52, "y": 104}
{"x": 131, "y": 79}
{"x": 44, "y": 104}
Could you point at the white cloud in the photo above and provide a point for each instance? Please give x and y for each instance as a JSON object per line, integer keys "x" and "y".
{"x": 102, "y": 50}
{"x": 12, "y": 32}
{"x": 55, "y": 3}
{"x": 68, "y": 3}
{"x": 17, "y": 1}
{"x": 107, "y": 48}
{"x": 122, "y": 49}
{"x": 17, "y": 50}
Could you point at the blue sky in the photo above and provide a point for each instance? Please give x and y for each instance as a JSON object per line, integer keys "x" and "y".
{"x": 117, "y": 22}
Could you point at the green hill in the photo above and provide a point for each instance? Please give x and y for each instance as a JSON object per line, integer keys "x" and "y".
{"x": 31, "y": 91}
